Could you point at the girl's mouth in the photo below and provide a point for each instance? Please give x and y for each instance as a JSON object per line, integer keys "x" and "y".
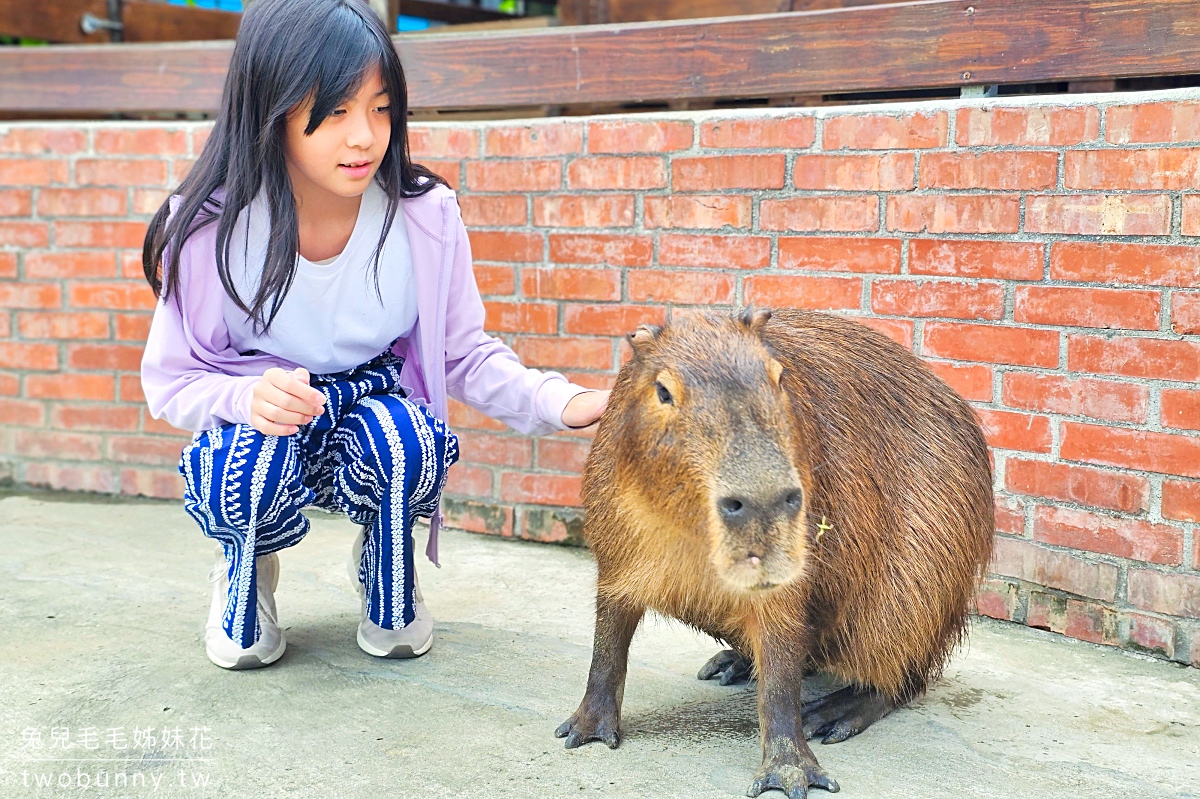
{"x": 356, "y": 169}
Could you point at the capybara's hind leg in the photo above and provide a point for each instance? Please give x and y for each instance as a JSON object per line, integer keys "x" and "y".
{"x": 729, "y": 665}
{"x": 844, "y": 713}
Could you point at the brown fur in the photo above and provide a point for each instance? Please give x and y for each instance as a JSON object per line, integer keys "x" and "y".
{"x": 872, "y": 579}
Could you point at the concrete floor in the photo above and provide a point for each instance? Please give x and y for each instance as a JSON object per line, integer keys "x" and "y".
{"x": 102, "y": 604}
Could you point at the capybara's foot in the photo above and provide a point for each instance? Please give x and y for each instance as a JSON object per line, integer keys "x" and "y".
{"x": 844, "y": 713}
{"x": 729, "y": 666}
{"x": 792, "y": 779}
{"x": 590, "y": 724}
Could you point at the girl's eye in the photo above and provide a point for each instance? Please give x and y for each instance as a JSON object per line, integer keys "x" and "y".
{"x": 337, "y": 112}
{"x": 384, "y": 108}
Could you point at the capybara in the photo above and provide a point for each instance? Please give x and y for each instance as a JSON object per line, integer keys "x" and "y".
{"x": 806, "y": 490}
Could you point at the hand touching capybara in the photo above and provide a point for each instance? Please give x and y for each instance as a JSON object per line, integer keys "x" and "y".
{"x": 801, "y": 487}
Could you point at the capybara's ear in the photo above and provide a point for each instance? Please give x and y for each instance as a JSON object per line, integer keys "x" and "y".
{"x": 643, "y": 337}
{"x": 755, "y": 319}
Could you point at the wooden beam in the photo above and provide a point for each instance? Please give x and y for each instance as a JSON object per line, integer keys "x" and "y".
{"x": 150, "y": 21}
{"x": 52, "y": 20}
{"x": 928, "y": 43}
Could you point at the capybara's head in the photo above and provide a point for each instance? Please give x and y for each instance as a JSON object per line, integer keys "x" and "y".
{"x": 705, "y": 441}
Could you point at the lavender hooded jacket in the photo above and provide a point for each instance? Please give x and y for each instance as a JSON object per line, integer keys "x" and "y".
{"x": 194, "y": 379}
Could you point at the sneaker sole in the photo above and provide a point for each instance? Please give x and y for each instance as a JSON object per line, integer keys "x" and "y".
{"x": 400, "y": 651}
{"x": 249, "y": 661}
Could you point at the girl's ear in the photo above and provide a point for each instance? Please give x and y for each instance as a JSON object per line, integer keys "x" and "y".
{"x": 642, "y": 339}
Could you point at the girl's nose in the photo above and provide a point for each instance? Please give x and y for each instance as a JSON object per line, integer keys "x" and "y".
{"x": 361, "y": 135}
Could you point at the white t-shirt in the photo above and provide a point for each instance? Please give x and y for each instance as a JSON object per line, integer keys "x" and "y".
{"x": 330, "y": 319}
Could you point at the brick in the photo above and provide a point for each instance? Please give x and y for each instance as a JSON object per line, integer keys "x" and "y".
{"x": 898, "y": 330}
{"x": 888, "y": 172}
{"x": 131, "y": 327}
{"x": 790, "y": 133}
{"x": 450, "y": 171}
{"x": 685, "y": 288}
{"x": 128, "y": 235}
{"x": 994, "y": 170}
{"x": 996, "y": 599}
{"x": 24, "y": 234}
{"x": 561, "y": 454}
{"x": 59, "y": 139}
{"x": 571, "y": 284}
{"x": 553, "y": 526}
{"x": 497, "y": 450}
{"x": 20, "y": 355}
{"x": 102, "y": 418}
{"x": 954, "y": 213}
{"x": 30, "y": 295}
{"x": 66, "y": 386}
{"x": 820, "y": 213}
{"x": 118, "y": 172}
{"x": 797, "y": 291}
{"x": 1034, "y": 563}
{"x": 1019, "y": 431}
{"x": 540, "y": 489}
{"x": 971, "y": 381}
{"x": 47, "y": 444}
{"x": 616, "y": 250}
{"x": 1027, "y": 127}
{"x": 510, "y": 176}
{"x": 21, "y": 412}
{"x": 562, "y": 352}
{"x": 10, "y": 384}
{"x": 493, "y": 211}
{"x": 1135, "y": 264}
{"x": 1185, "y": 313}
{"x": 949, "y": 298}
{"x": 120, "y": 357}
{"x": 1123, "y": 309}
{"x": 1191, "y": 215}
{"x": 1134, "y": 357}
{"x": 1047, "y": 612}
{"x": 1132, "y": 170}
{"x": 141, "y": 141}
{"x": 8, "y": 264}
{"x": 1172, "y": 594}
{"x": 610, "y": 320}
{"x": 1181, "y": 501}
{"x": 1152, "y": 635}
{"x": 63, "y": 325}
{"x": 634, "y": 136}
{"x": 1153, "y": 122}
{"x": 32, "y": 172}
{"x": 709, "y": 172}
{"x": 1180, "y": 408}
{"x": 878, "y": 132}
{"x": 875, "y": 256}
{"x": 41, "y": 265}
{"x": 16, "y": 202}
{"x": 1082, "y": 485}
{"x": 130, "y": 388}
{"x": 616, "y": 172}
{"x": 1099, "y": 399}
{"x": 149, "y": 201}
{"x": 464, "y": 416}
{"x": 478, "y": 517}
{"x": 979, "y": 259}
{"x": 72, "y": 477}
{"x": 1142, "y": 450}
{"x": 161, "y": 483}
{"x": 1010, "y": 515}
{"x": 603, "y": 210}
{"x": 1099, "y": 215}
{"x": 521, "y": 317}
{"x": 991, "y": 344}
{"x": 1125, "y": 538}
{"x": 715, "y": 252}
{"x": 698, "y": 212}
{"x": 1093, "y": 623}
{"x": 112, "y": 295}
{"x": 534, "y": 141}
{"x": 151, "y": 425}
{"x": 497, "y": 245}
{"x": 144, "y": 449}
{"x": 442, "y": 142}
{"x": 495, "y": 279}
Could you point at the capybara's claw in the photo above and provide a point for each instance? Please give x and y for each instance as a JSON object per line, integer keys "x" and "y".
{"x": 578, "y": 732}
{"x": 843, "y": 714}
{"x": 792, "y": 780}
{"x": 728, "y": 665}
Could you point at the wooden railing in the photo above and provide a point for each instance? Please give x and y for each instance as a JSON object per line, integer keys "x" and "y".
{"x": 928, "y": 43}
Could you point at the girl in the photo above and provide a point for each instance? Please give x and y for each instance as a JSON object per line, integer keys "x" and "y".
{"x": 316, "y": 307}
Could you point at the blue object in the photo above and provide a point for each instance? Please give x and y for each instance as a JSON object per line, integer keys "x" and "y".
{"x": 403, "y": 22}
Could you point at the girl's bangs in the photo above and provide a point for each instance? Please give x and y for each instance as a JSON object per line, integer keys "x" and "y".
{"x": 340, "y": 65}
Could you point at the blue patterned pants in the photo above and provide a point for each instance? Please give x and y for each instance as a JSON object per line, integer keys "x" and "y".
{"x": 372, "y": 454}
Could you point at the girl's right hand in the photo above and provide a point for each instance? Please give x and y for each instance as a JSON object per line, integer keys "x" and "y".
{"x": 283, "y": 401}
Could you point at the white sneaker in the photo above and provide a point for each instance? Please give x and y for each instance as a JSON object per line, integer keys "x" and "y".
{"x": 410, "y": 641}
{"x": 270, "y": 645}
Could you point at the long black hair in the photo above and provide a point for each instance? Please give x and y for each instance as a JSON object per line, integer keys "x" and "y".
{"x": 286, "y": 52}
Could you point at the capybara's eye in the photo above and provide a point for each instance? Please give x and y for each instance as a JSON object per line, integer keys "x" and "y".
{"x": 664, "y": 396}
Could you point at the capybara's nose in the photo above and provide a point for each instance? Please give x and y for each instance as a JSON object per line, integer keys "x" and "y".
{"x": 737, "y": 510}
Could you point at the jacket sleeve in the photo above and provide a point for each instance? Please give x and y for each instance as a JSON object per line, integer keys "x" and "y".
{"x": 483, "y": 372}
{"x": 187, "y": 337}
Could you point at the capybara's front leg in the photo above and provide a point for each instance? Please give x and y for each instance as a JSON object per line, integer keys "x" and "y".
{"x": 788, "y": 763}
{"x": 599, "y": 715}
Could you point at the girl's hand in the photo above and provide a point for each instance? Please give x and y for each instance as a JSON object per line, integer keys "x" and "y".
{"x": 283, "y": 401}
{"x": 584, "y": 409}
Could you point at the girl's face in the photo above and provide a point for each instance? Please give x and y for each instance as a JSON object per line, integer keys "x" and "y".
{"x": 343, "y": 154}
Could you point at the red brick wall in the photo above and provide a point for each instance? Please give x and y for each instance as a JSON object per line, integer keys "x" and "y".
{"x": 1040, "y": 254}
